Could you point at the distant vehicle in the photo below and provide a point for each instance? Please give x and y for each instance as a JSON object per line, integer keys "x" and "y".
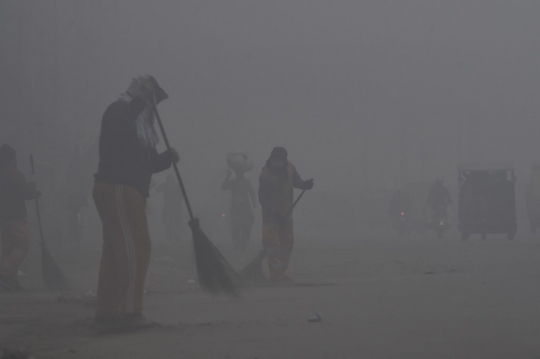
{"x": 533, "y": 198}
{"x": 401, "y": 223}
{"x": 440, "y": 220}
{"x": 487, "y": 202}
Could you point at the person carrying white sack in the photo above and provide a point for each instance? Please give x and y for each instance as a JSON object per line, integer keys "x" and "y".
{"x": 243, "y": 199}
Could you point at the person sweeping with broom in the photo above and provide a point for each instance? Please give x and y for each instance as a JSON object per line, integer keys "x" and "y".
{"x": 276, "y": 183}
{"x": 14, "y": 191}
{"x": 127, "y": 160}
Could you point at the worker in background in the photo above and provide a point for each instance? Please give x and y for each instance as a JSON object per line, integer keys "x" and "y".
{"x": 14, "y": 231}
{"x": 242, "y": 204}
{"x": 438, "y": 195}
{"x": 439, "y": 199}
{"x": 276, "y": 183}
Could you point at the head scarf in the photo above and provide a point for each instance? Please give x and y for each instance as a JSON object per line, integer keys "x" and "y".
{"x": 279, "y": 153}
{"x": 146, "y": 131}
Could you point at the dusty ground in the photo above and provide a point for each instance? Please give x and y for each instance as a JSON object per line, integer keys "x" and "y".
{"x": 379, "y": 296}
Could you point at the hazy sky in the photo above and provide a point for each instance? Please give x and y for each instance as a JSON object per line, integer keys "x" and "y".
{"x": 359, "y": 92}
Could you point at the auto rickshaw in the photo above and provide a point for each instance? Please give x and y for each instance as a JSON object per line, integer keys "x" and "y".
{"x": 487, "y": 201}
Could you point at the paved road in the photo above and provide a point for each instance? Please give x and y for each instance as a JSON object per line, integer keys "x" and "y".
{"x": 379, "y": 296}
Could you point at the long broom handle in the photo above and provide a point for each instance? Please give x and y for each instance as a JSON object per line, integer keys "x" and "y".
{"x": 263, "y": 252}
{"x": 296, "y": 202}
{"x": 37, "y": 202}
{"x": 180, "y": 182}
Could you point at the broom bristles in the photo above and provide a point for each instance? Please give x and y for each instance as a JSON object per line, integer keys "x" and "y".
{"x": 215, "y": 274}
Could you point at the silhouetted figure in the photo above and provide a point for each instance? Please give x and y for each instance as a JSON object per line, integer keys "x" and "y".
{"x": 276, "y": 184}
{"x": 242, "y": 204}
{"x": 127, "y": 160}
{"x": 14, "y": 231}
{"x": 438, "y": 195}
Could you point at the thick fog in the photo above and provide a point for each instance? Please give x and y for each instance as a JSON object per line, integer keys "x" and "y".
{"x": 367, "y": 96}
{"x": 363, "y": 94}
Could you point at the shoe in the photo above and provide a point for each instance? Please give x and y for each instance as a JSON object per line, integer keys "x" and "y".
{"x": 138, "y": 321}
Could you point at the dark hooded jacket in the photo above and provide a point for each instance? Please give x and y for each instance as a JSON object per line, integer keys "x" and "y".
{"x": 276, "y": 188}
{"x": 123, "y": 160}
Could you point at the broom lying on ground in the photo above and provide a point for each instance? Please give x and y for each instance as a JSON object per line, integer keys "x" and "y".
{"x": 53, "y": 276}
{"x": 215, "y": 274}
{"x": 252, "y": 272}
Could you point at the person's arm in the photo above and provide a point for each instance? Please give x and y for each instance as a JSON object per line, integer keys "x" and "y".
{"x": 299, "y": 183}
{"x": 162, "y": 161}
{"x": 226, "y": 185}
{"x": 165, "y": 159}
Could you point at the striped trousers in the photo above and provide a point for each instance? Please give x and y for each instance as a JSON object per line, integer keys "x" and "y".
{"x": 278, "y": 243}
{"x": 126, "y": 250}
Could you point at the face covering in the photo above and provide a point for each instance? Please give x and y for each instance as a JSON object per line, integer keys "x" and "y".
{"x": 146, "y": 131}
